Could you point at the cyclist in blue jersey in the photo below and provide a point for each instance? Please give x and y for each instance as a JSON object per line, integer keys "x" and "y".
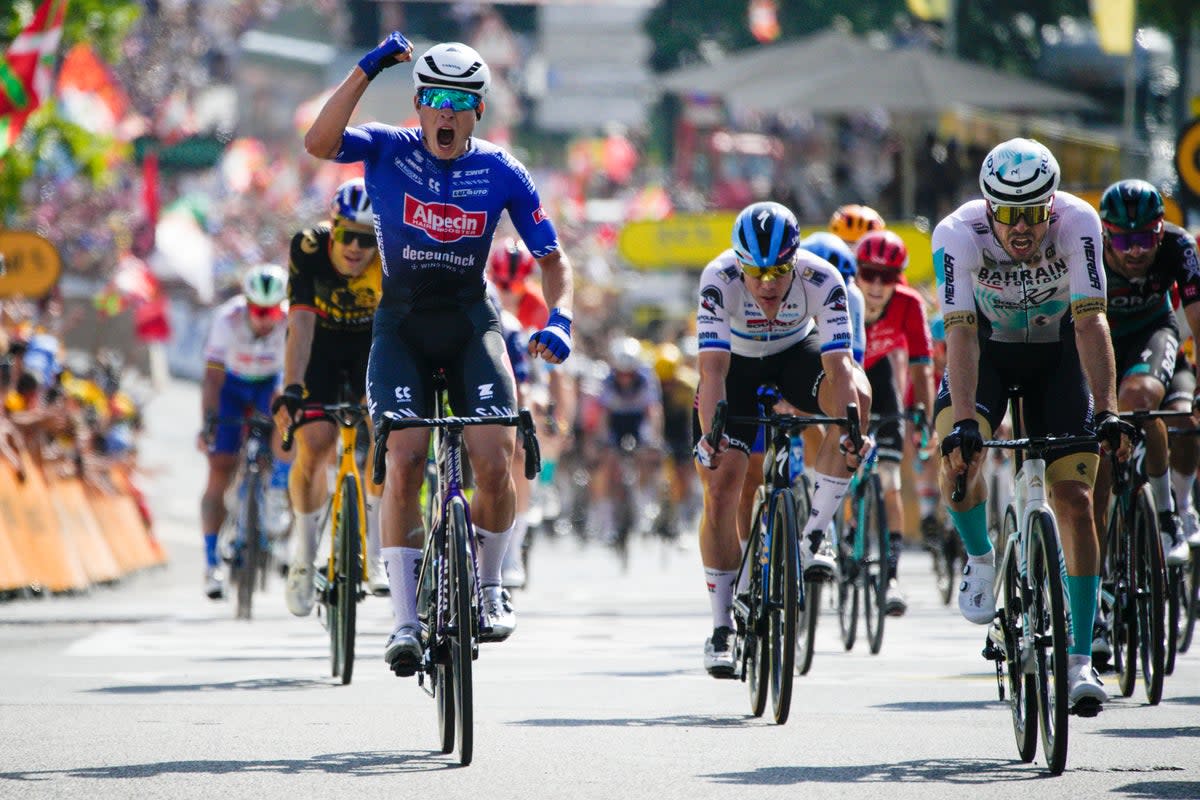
{"x": 438, "y": 193}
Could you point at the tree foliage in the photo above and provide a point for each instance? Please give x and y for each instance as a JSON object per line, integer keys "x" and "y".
{"x": 47, "y": 137}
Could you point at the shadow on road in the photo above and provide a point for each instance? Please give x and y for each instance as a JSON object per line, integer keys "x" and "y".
{"x": 359, "y": 765}
{"x": 251, "y": 685}
{"x": 1157, "y": 789}
{"x": 1152, "y": 733}
{"x": 942, "y": 705}
{"x": 1186, "y": 701}
{"x": 966, "y": 771}
{"x": 680, "y": 721}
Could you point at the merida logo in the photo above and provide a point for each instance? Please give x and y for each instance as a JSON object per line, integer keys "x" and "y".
{"x": 444, "y": 222}
{"x": 1089, "y": 252}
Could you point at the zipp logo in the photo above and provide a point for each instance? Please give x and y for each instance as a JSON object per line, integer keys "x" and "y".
{"x": 444, "y": 222}
{"x": 485, "y": 391}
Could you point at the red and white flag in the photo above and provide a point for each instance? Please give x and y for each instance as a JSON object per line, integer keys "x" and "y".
{"x": 27, "y": 69}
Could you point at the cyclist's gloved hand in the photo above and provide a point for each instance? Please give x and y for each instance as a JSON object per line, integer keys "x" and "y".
{"x": 1110, "y": 428}
{"x": 553, "y": 342}
{"x": 964, "y": 437}
{"x": 390, "y": 52}
{"x": 705, "y": 452}
{"x": 208, "y": 431}
{"x": 291, "y": 399}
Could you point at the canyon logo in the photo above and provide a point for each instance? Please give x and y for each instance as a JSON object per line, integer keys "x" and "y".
{"x": 444, "y": 222}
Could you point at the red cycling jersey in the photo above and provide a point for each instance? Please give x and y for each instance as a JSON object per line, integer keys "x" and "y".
{"x": 903, "y": 326}
{"x": 531, "y": 309}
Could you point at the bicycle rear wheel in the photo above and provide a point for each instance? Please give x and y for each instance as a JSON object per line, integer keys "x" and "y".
{"x": 1148, "y": 575}
{"x": 347, "y": 568}
{"x": 1176, "y": 618}
{"x": 809, "y": 599}
{"x": 442, "y": 678}
{"x": 1022, "y": 687}
{"x": 754, "y": 637}
{"x": 1047, "y": 615}
{"x": 246, "y": 557}
{"x": 461, "y": 623}
{"x": 847, "y": 581}
{"x": 784, "y": 575}
{"x": 874, "y": 565}
{"x": 1191, "y": 606}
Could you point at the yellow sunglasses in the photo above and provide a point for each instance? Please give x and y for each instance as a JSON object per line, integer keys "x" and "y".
{"x": 766, "y": 273}
{"x": 1008, "y": 215}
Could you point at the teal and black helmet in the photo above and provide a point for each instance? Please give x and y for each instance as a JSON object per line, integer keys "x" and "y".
{"x": 1131, "y": 205}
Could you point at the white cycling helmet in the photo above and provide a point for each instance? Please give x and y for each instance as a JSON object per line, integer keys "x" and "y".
{"x": 265, "y": 285}
{"x": 452, "y": 65}
{"x": 350, "y": 202}
{"x": 1019, "y": 172}
{"x": 625, "y": 354}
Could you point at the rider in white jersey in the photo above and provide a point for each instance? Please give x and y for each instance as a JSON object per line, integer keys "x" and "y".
{"x": 1023, "y": 294}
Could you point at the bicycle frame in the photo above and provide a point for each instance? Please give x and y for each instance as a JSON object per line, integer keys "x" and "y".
{"x": 347, "y": 465}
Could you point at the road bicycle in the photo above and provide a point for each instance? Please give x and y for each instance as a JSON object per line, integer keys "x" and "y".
{"x": 244, "y": 539}
{"x": 448, "y": 595}
{"x": 1134, "y": 571}
{"x": 1028, "y": 639}
{"x": 774, "y": 609}
{"x": 339, "y": 586}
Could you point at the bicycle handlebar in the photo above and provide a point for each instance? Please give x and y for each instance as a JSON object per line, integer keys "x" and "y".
{"x": 347, "y": 415}
{"x": 1035, "y": 444}
{"x": 522, "y": 421}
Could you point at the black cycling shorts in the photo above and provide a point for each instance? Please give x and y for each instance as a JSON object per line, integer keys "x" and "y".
{"x": 337, "y": 360}
{"x": 408, "y": 346}
{"x": 1151, "y": 351}
{"x": 885, "y": 401}
{"x": 797, "y": 372}
{"x": 1057, "y": 400}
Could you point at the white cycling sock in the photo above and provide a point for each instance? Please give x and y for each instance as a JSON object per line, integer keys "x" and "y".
{"x": 512, "y": 554}
{"x": 306, "y": 535}
{"x": 372, "y": 504}
{"x": 1161, "y": 486}
{"x": 1182, "y": 484}
{"x": 491, "y": 546}
{"x": 402, "y": 564}
{"x": 827, "y": 492}
{"x": 720, "y": 595}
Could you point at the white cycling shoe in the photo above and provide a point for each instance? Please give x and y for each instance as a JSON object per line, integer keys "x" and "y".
{"x": 299, "y": 593}
{"x": 1085, "y": 692}
{"x": 497, "y": 608}
{"x": 820, "y": 564}
{"x": 976, "y": 594}
{"x": 377, "y": 581}
{"x": 403, "y": 651}
{"x": 719, "y": 658}
{"x": 1189, "y": 521}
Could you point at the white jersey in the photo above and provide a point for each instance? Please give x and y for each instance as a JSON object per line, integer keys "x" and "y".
{"x": 858, "y": 322}
{"x": 233, "y": 345}
{"x": 1034, "y": 301}
{"x": 730, "y": 319}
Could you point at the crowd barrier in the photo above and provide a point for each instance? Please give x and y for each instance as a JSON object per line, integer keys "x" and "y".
{"x": 60, "y": 533}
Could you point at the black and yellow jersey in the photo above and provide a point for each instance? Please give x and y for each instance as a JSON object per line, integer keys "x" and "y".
{"x": 342, "y": 305}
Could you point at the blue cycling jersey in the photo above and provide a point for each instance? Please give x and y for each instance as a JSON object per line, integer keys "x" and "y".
{"x": 435, "y": 219}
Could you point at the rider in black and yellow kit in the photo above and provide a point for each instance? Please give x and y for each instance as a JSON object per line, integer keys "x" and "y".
{"x": 334, "y": 286}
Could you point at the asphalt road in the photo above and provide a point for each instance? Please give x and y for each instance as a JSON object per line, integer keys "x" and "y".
{"x": 150, "y": 690}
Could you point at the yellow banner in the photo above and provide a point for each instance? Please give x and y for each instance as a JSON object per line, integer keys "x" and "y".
{"x": 929, "y": 10}
{"x": 1114, "y": 20}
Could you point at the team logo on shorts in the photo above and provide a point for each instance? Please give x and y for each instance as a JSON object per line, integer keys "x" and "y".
{"x": 444, "y": 222}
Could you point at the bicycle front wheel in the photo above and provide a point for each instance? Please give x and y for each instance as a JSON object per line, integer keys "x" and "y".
{"x": 347, "y": 568}
{"x": 248, "y": 551}
{"x": 784, "y": 576}
{"x": 756, "y": 656}
{"x": 847, "y": 581}
{"x": 1047, "y": 617}
{"x": 461, "y": 623}
{"x": 810, "y": 600}
{"x": 1149, "y": 589}
{"x": 1176, "y": 618}
{"x": 1022, "y": 687}
{"x": 1191, "y": 603}
{"x": 874, "y": 564}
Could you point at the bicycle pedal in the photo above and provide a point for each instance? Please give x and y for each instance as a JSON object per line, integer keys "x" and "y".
{"x": 1086, "y": 708}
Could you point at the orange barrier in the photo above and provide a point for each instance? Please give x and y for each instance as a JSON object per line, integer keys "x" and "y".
{"x": 127, "y": 492}
{"x": 80, "y": 524}
{"x": 54, "y": 562}
{"x": 15, "y": 572}
{"x": 115, "y": 527}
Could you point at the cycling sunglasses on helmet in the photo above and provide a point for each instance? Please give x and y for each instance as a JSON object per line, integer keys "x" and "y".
{"x": 1124, "y": 241}
{"x": 869, "y": 274}
{"x": 365, "y": 239}
{"x": 454, "y": 99}
{"x": 1008, "y": 215}
{"x": 766, "y": 273}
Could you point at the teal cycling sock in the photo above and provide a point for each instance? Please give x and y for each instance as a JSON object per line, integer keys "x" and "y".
{"x": 547, "y": 473}
{"x": 1081, "y": 593}
{"x": 972, "y": 528}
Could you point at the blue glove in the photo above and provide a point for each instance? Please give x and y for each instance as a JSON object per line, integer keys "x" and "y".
{"x": 384, "y": 55}
{"x": 556, "y": 336}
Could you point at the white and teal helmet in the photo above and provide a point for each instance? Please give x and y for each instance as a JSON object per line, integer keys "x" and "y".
{"x": 265, "y": 285}
{"x": 1019, "y": 172}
